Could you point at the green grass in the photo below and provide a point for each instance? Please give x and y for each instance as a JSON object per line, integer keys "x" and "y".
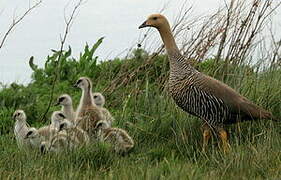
{"x": 168, "y": 141}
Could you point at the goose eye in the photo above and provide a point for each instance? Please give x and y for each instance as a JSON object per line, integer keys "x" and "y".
{"x": 95, "y": 96}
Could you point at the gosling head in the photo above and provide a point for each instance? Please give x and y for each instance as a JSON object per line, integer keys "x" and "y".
{"x": 83, "y": 83}
{"x": 43, "y": 147}
{"x": 19, "y": 115}
{"x": 65, "y": 124}
{"x": 99, "y": 99}
{"x": 32, "y": 133}
{"x": 57, "y": 118}
{"x": 157, "y": 21}
{"x": 102, "y": 125}
{"x": 64, "y": 100}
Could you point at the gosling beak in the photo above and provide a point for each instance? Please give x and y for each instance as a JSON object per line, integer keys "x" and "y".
{"x": 143, "y": 25}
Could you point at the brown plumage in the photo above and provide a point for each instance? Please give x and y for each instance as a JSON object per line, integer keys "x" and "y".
{"x": 201, "y": 95}
{"x": 58, "y": 143}
{"x": 120, "y": 140}
{"x": 99, "y": 100}
{"x": 87, "y": 114}
{"x": 88, "y": 119}
{"x": 74, "y": 132}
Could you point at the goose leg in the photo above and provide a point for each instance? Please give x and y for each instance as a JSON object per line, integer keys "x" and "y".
{"x": 206, "y": 136}
{"x": 224, "y": 139}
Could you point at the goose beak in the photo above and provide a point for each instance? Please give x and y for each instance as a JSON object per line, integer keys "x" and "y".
{"x": 57, "y": 103}
{"x": 75, "y": 86}
{"x": 143, "y": 25}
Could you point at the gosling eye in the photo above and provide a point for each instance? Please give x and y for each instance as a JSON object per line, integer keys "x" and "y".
{"x": 95, "y": 96}
{"x": 154, "y": 18}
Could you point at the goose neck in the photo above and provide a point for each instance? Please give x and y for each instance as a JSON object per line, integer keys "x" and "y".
{"x": 169, "y": 41}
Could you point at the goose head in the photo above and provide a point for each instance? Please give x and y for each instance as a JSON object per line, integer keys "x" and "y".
{"x": 157, "y": 21}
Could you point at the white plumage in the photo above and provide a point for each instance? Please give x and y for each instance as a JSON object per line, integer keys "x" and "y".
{"x": 21, "y": 129}
{"x": 67, "y": 107}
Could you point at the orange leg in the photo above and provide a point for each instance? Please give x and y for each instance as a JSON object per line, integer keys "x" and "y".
{"x": 206, "y": 136}
{"x": 224, "y": 139}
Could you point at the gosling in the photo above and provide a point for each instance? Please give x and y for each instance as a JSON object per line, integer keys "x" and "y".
{"x": 21, "y": 129}
{"x": 88, "y": 113}
{"x": 118, "y": 138}
{"x": 99, "y": 100}
{"x": 37, "y": 136}
{"x": 50, "y": 130}
{"x": 67, "y": 107}
{"x": 75, "y": 132}
{"x": 58, "y": 143}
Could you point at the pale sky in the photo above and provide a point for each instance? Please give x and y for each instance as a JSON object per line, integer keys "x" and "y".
{"x": 38, "y": 33}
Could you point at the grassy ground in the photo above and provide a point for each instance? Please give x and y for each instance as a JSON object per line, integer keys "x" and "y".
{"x": 168, "y": 141}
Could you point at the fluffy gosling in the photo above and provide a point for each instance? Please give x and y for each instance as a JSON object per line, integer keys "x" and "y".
{"x": 99, "y": 100}
{"x": 37, "y": 136}
{"x": 56, "y": 119}
{"x": 118, "y": 138}
{"x": 21, "y": 129}
{"x": 88, "y": 113}
{"x": 67, "y": 107}
{"x": 58, "y": 143}
{"x": 75, "y": 132}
